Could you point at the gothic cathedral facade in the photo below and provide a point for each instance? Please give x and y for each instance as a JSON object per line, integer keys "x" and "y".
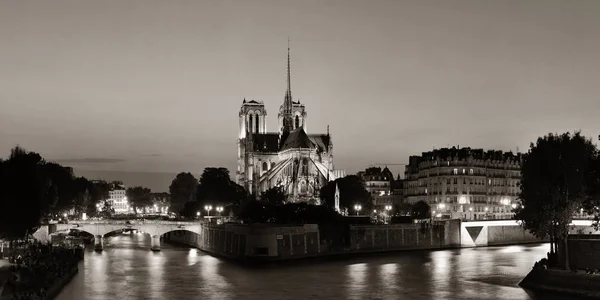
{"x": 298, "y": 162}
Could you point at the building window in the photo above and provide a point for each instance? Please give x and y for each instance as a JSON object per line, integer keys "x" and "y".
{"x": 264, "y": 166}
{"x": 297, "y": 122}
{"x": 470, "y": 171}
{"x": 455, "y": 171}
{"x": 464, "y": 171}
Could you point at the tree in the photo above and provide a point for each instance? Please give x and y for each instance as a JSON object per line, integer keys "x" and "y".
{"x": 421, "y": 210}
{"x": 61, "y": 189}
{"x": 352, "y": 192}
{"x": 23, "y": 198}
{"x": 183, "y": 189}
{"x": 216, "y": 188}
{"x": 139, "y": 197}
{"x": 274, "y": 195}
{"x": 557, "y": 178}
{"x": 107, "y": 210}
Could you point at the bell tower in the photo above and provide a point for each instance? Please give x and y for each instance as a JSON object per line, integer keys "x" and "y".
{"x": 253, "y": 118}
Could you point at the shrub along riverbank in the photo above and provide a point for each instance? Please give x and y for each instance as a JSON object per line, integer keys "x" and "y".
{"x": 40, "y": 272}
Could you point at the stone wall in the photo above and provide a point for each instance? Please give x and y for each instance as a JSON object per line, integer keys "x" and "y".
{"x": 271, "y": 242}
{"x": 505, "y": 235}
{"x": 584, "y": 251}
{"x": 397, "y": 237}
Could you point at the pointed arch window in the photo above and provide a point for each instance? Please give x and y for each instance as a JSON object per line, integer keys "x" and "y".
{"x": 297, "y": 122}
{"x": 256, "y": 121}
{"x": 305, "y": 166}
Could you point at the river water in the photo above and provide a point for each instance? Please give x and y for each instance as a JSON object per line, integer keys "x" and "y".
{"x": 127, "y": 269}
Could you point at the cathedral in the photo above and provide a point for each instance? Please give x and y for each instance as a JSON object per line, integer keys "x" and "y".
{"x": 299, "y": 162}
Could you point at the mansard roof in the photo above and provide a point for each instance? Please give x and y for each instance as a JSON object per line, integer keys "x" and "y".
{"x": 298, "y": 139}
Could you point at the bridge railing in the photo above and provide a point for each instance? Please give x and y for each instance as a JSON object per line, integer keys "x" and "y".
{"x": 132, "y": 222}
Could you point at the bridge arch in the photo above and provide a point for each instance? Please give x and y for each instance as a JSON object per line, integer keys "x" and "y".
{"x": 155, "y": 229}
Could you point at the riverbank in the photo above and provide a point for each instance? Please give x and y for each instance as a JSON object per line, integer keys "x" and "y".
{"x": 41, "y": 272}
{"x": 563, "y": 282}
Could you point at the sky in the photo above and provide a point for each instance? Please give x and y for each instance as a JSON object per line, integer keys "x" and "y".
{"x": 156, "y": 86}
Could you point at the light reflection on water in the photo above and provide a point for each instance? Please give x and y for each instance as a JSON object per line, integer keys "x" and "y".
{"x": 127, "y": 269}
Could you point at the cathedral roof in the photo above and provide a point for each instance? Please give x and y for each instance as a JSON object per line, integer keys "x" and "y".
{"x": 266, "y": 142}
{"x": 298, "y": 139}
{"x": 322, "y": 141}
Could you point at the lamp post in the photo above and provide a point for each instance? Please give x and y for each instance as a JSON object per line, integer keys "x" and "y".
{"x": 219, "y": 209}
{"x": 357, "y": 207}
{"x": 198, "y": 215}
{"x": 388, "y": 208}
{"x": 208, "y": 208}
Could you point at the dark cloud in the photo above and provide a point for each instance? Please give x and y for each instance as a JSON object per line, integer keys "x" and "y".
{"x": 89, "y": 160}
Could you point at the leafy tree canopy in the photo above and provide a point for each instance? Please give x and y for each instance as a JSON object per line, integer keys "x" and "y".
{"x": 23, "y": 198}
{"x": 183, "y": 189}
{"x": 274, "y": 195}
{"x": 352, "y": 192}
{"x": 557, "y": 178}
{"x": 139, "y": 197}
{"x": 216, "y": 188}
{"x": 421, "y": 210}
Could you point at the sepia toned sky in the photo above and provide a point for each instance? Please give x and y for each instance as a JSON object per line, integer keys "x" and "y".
{"x": 156, "y": 86}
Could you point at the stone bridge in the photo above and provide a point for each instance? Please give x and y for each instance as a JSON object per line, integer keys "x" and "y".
{"x": 100, "y": 228}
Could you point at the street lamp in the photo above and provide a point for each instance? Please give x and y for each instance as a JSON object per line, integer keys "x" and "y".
{"x": 219, "y": 209}
{"x": 357, "y": 207}
{"x": 388, "y": 208}
{"x": 208, "y": 208}
{"x": 514, "y": 205}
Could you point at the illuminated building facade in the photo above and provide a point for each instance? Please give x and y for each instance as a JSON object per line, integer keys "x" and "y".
{"x": 118, "y": 200}
{"x": 299, "y": 162}
{"x": 465, "y": 183}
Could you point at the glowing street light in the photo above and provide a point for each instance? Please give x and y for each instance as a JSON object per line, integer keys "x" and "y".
{"x": 197, "y": 214}
{"x": 208, "y": 208}
{"x": 514, "y": 205}
{"x": 219, "y": 209}
{"x": 388, "y": 207}
{"x": 357, "y": 207}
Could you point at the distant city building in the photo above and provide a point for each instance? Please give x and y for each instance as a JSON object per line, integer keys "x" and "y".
{"x": 117, "y": 198}
{"x": 301, "y": 163}
{"x": 465, "y": 183}
{"x": 397, "y": 186}
{"x": 378, "y": 183}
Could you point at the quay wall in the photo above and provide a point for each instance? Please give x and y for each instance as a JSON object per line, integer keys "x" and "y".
{"x": 263, "y": 242}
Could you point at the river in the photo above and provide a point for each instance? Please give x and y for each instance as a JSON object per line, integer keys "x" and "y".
{"x": 127, "y": 269}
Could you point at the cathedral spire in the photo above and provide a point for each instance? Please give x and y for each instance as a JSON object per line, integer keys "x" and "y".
{"x": 289, "y": 80}
{"x": 288, "y": 119}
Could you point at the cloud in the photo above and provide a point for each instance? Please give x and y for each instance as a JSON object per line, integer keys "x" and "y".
{"x": 153, "y": 154}
{"x": 89, "y": 160}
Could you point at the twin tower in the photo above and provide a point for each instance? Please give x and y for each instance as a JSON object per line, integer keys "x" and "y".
{"x": 292, "y": 115}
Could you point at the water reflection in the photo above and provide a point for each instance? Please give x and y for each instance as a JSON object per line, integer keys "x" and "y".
{"x": 356, "y": 280}
{"x": 127, "y": 269}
